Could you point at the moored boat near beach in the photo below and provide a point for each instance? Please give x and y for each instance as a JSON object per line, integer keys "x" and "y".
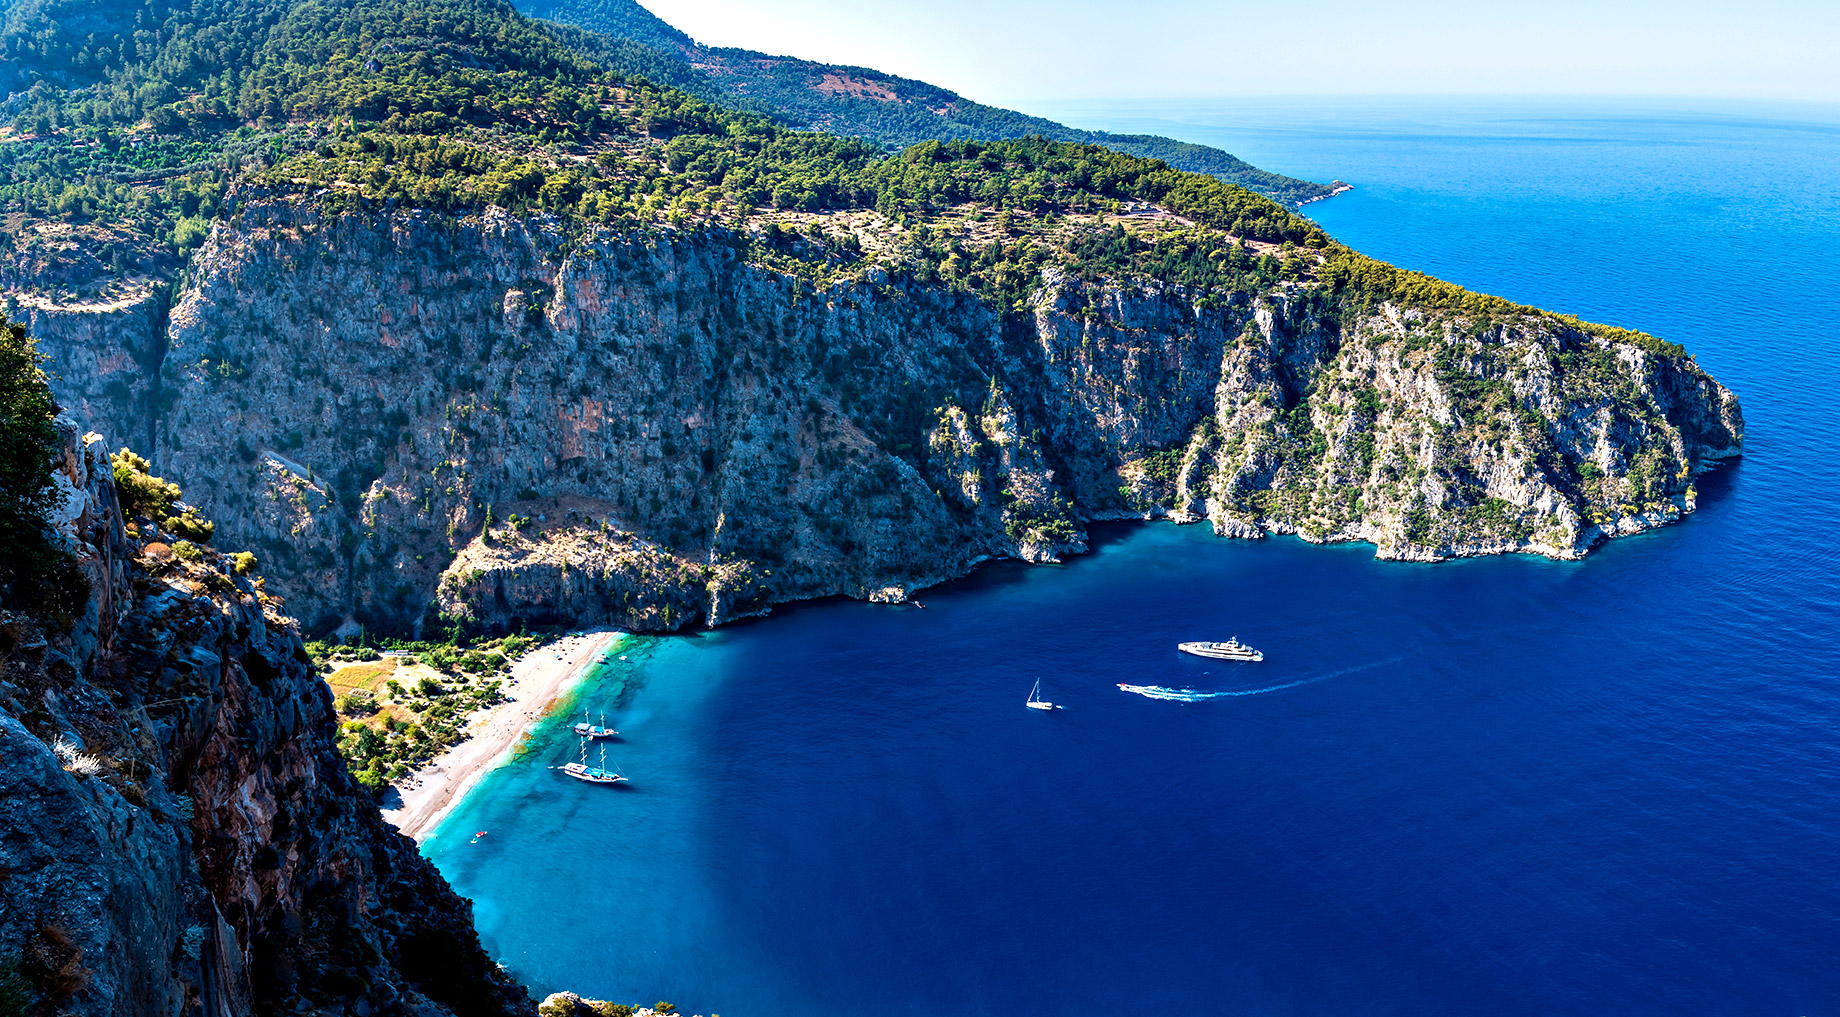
{"x": 602, "y": 774}
{"x": 594, "y": 731}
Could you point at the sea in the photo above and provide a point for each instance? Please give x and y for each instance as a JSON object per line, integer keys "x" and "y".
{"x": 1503, "y": 787}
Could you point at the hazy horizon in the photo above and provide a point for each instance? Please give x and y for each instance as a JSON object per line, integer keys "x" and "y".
{"x": 1033, "y": 52}
{"x": 1226, "y": 108}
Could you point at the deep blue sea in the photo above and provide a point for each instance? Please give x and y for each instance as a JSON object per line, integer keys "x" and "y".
{"x": 1500, "y": 787}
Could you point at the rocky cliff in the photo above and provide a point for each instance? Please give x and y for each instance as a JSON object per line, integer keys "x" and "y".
{"x": 178, "y": 834}
{"x": 497, "y": 419}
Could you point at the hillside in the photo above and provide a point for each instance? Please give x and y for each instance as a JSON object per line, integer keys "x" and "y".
{"x": 891, "y": 111}
{"x": 446, "y": 324}
{"x": 371, "y": 279}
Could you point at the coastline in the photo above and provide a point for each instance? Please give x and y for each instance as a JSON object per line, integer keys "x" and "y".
{"x": 543, "y": 675}
{"x": 1335, "y": 187}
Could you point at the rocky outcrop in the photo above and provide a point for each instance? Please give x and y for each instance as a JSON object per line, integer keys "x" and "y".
{"x": 1433, "y": 440}
{"x": 573, "y": 574}
{"x": 178, "y": 834}
{"x": 353, "y": 396}
{"x": 568, "y": 1004}
{"x": 571, "y": 1005}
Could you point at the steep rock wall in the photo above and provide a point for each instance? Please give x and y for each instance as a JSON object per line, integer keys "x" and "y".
{"x": 178, "y": 834}
{"x": 366, "y": 401}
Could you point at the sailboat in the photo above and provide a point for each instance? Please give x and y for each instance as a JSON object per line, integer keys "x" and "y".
{"x": 1035, "y": 700}
{"x": 587, "y": 730}
{"x": 580, "y": 770}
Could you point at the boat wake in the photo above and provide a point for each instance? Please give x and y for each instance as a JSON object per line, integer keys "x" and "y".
{"x": 1196, "y": 695}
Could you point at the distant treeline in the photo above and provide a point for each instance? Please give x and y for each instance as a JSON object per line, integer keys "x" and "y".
{"x": 891, "y": 111}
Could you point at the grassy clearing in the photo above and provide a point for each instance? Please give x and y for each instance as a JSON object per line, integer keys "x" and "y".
{"x": 365, "y": 677}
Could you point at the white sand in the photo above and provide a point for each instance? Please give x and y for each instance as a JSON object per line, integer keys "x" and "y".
{"x": 542, "y": 675}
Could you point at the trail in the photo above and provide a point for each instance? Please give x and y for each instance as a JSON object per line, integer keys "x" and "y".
{"x": 1196, "y": 695}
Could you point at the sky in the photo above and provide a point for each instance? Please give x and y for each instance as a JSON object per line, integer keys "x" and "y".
{"x": 1013, "y": 52}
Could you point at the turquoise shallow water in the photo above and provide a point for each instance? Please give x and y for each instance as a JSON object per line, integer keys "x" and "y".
{"x": 1506, "y": 787}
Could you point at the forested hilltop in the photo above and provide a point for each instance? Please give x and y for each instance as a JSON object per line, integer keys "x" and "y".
{"x": 139, "y": 119}
{"x": 862, "y": 102}
{"x": 371, "y": 277}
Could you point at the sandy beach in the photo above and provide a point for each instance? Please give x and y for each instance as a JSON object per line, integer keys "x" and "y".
{"x": 542, "y": 675}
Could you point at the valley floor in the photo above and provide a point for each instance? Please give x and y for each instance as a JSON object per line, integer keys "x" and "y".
{"x": 419, "y": 802}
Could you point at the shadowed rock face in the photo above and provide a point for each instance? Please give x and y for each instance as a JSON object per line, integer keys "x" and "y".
{"x": 178, "y": 834}
{"x": 367, "y": 402}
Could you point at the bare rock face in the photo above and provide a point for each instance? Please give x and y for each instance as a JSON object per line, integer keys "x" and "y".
{"x": 107, "y": 351}
{"x": 178, "y": 834}
{"x": 1432, "y": 442}
{"x": 578, "y": 576}
{"x": 353, "y": 397}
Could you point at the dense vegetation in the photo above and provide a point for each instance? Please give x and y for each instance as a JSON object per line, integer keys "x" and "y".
{"x": 890, "y": 111}
{"x": 145, "y": 496}
{"x": 453, "y": 105}
{"x": 180, "y": 99}
{"x": 720, "y": 162}
{"x": 33, "y": 572}
{"x": 404, "y": 704}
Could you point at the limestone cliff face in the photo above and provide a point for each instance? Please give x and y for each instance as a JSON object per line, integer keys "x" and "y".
{"x": 367, "y": 401}
{"x": 178, "y": 834}
{"x": 1433, "y": 442}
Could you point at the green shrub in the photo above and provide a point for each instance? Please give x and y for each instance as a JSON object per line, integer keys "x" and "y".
{"x": 142, "y": 493}
{"x": 244, "y": 562}
{"x": 190, "y": 232}
{"x": 190, "y": 525}
{"x": 186, "y": 550}
{"x": 372, "y": 780}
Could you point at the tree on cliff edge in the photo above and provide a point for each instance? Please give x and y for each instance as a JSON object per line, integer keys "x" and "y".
{"x": 34, "y": 573}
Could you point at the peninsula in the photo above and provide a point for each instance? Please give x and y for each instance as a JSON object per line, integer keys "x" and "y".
{"x": 437, "y": 320}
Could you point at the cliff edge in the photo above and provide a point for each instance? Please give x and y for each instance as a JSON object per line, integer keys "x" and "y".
{"x": 178, "y": 834}
{"x": 495, "y": 419}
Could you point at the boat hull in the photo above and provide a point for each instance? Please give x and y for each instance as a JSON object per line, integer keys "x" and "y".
{"x": 1221, "y": 651}
{"x": 590, "y": 731}
{"x": 592, "y": 775}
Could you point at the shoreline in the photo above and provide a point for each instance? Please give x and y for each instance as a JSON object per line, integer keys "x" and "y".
{"x": 429, "y": 794}
{"x": 1335, "y": 187}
